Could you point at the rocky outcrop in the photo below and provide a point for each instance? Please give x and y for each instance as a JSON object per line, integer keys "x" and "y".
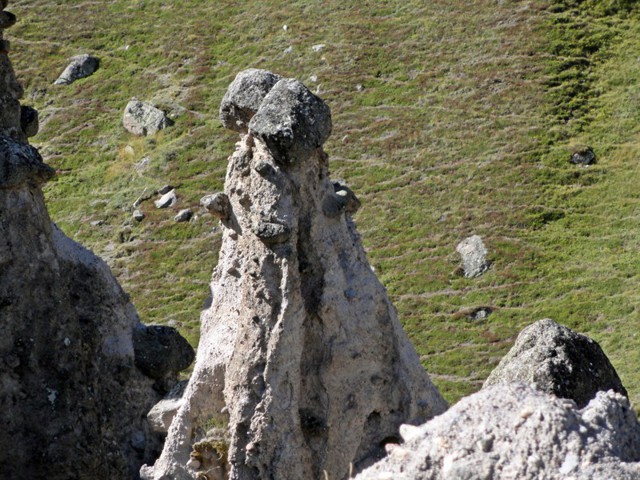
{"x": 556, "y": 360}
{"x": 510, "y": 431}
{"x": 302, "y": 361}
{"x": 73, "y": 403}
{"x": 81, "y": 66}
{"x": 141, "y": 118}
{"x": 474, "y": 256}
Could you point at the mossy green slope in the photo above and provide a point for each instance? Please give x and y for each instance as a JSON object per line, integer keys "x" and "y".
{"x": 450, "y": 118}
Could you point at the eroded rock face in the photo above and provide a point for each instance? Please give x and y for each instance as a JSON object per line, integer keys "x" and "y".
{"x": 72, "y": 402}
{"x": 301, "y": 357}
{"x": 556, "y": 360}
{"x": 510, "y": 431}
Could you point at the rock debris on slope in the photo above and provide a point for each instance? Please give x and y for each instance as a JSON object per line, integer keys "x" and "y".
{"x": 72, "y": 402}
{"x": 81, "y": 66}
{"x": 302, "y": 358}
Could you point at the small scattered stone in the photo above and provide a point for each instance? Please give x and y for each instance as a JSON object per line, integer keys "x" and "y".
{"x": 183, "y": 215}
{"x": 81, "y": 66}
{"x": 583, "y": 155}
{"x": 318, "y": 48}
{"x": 288, "y": 50}
{"x": 141, "y": 118}
{"x": 138, "y": 216}
{"x": 285, "y": 27}
{"x": 96, "y": 223}
{"x": 474, "y": 256}
{"x": 480, "y": 313}
{"x": 359, "y": 87}
{"x": 167, "y": 200}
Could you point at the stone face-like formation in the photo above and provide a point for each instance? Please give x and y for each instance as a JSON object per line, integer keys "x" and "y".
{"x": 244, "y": 96}
{"x": 556, "y": 360}
{"x": 144, "y": 119}
{"x": 511, "y": 431}
{"x": 81, "y": 66}
{"x": 301, "y": 355}
{"x": 72, "y": 402}
{"x": 474, "y": 256}
{"x": 291, "y": 121}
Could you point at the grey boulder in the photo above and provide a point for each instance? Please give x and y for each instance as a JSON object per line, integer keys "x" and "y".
{"x": 161, "y": 414}
{"x": 291, "y": 121}
{"x": 167, "y": 200}
{"x": 244, "y": 96}
{"x": 160, "y": 351}
{"x": 81, "y": 66}
{"x": 474, "y": 256}
{"x": 558, "y": 361}
{"x": 141, "y": 118}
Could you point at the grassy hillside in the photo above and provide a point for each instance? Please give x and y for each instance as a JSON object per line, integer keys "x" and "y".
{"x": 450, "y": 118}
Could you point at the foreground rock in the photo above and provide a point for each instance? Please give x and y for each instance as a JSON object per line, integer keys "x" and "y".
{"x": 73, "y": 403}
{"x": 474, "y": 256}
{"x": 556, "y": 360}
{"x": 81, "y": 66}
{"x": 141, "y": 118}
{"x": 511, "y": 431}
{"x": 303, "y": 369}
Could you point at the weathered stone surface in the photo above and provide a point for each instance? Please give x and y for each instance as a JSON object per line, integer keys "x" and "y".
{"x": 244, "y": 96}
{"x": 21, "y": 164}
{"x": 72, "y": 402}
{"x": 167, "y": 200}
{"x": 183, "y": 215}
{"x": 556, "y": 360}
{"x": 29, "y": 121}
{"x": 141, "y": 118}
{"x": 81, "y": 66}
{"x": 160, "y": 351}
{"x": 474, "y": 256}
{"x": 511, "y": 431}
{"x": 291, "y": 121}
{"x": 583, "y": 155}
{"x": 218, "y": 204}
{"x": 301, "y": 355}
{"x": 162, "y": 413}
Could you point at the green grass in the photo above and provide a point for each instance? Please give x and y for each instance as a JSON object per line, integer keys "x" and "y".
{"x": 465, "y": 125}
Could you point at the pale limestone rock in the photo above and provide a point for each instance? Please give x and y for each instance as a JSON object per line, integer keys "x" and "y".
{"x": 301, "y": 358}
{"x": 511, "y": 431}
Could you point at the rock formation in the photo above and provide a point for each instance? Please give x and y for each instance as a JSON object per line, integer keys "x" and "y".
{"x": 302, "y": 361}
{"x": 72, "y": 402}
{"x": 81, "y": 66}
{"x": 556, "y": 360}
{"x": 511, "y": 431}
